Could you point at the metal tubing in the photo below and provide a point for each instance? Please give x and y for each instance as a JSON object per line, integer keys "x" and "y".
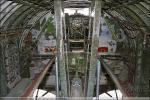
{"x": 116, "y": 95}
{"x": 37, "y": 94}
{"x": 66, "y": 54}
{"x": 94, "y": 47}
{"x": 67, "y": 68}
{"x": 87, "y": 58}
{"x": 98, "y": 79}
{"x": 57, "y": 77}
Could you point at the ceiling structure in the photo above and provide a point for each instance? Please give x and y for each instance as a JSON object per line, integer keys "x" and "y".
{"x": 130, "y": 16}
{"x": 10, "y": 10}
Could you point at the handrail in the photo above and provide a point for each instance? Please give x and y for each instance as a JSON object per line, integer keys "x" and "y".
{"x": 38, "y": 79}
{"x": 113, "y": 77}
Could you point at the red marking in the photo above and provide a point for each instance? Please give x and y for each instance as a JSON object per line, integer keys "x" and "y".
{"x": 103, "y": 49}
{"x": 46, "y": 50}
